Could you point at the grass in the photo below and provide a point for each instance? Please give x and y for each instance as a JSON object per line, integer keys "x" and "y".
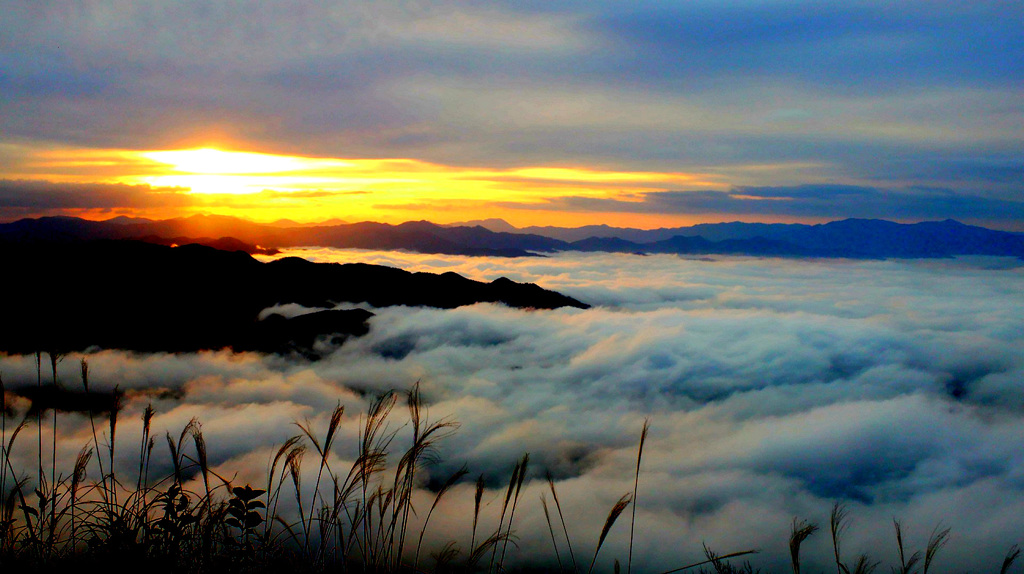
{"x": 356, "y": 517}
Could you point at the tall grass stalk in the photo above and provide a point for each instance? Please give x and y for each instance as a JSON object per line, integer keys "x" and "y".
{"x": 95, "y": 439}
{"x": 448, "y": 484}
{"x": 422, "y": 452}
{"x": 41, "y": 489}
{"x": 801, "y": 531}
{"x": 551, "y": 531}
{"x": 144, "y": 446}
{"x": 711, "y": 560}
{"x": 523, "y": 464}
{"x": 561, "y": 518}
{"x": 478, "y": 494}
{"x": 373, "y": 444}
{"x": 55, "y": 358}
{"x": 116, "y": 405}
{"x": 613, "y": 514}
{"x": 39, "y": 415}
{"x": 1011, "y": 555}
{"x": 513, "y": 480}
{"x": 907, "y": 564}
{"x": 324, "y": 452}
{"x": 274, "y": 493}
{"x": 3, "y": 445}
{"x": 636, "y": 486}
{"x": 77, "y": 476}
{"x": 938, "y": 539}
{"x": 838, "y": 522}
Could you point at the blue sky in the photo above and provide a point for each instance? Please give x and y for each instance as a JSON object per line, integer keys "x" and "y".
{"x": 919, "y": 103}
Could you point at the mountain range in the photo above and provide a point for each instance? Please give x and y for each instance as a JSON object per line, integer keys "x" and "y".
{"x": 851, "y": 238}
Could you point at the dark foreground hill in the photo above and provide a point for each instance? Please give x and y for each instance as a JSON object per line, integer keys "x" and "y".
{"x": 146, "y": 297}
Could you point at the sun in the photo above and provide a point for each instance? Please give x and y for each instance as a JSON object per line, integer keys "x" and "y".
{"x": 214, "y": 171}
{"x": 215, "y": 161}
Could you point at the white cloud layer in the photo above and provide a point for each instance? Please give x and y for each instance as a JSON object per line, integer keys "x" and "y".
{"x": 774, "y": 387}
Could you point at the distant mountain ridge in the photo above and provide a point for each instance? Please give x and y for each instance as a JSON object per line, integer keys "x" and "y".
{"x": 851, "y": 238}
{"x": 421, "y": 236}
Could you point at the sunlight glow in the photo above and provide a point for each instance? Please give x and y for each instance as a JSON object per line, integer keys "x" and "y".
{"x": 369, "y": 186}
{"x": 267, "y": 187}
{"x": 215, "y": 161}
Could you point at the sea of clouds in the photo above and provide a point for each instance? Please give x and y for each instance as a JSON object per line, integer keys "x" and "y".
{"x": 773, "y": 387}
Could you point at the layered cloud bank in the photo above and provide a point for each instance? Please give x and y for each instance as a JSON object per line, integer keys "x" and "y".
{"x": 774, "y": 388}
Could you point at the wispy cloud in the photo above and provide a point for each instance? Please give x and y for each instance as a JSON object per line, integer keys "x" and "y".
{"x": 267, "y": 186}
{"x": 25, "y": 198}
{"x": 807, "y": 202}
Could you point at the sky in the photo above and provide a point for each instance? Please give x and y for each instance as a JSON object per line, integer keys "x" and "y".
{"x": 773, "y": 389}
{"x": 642, "y": 114}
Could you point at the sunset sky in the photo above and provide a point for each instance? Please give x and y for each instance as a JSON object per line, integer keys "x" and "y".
{"x": 640, "y": 114}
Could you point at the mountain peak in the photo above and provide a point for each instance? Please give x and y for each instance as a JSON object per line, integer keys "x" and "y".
{"x": 125, "y": 220}
{"x": 494, "y": 224}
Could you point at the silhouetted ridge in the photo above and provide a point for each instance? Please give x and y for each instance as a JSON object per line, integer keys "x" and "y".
{"x": 147, "y": 297}
{"x": 419, "y": 236}
{"x": 855, "y": 238}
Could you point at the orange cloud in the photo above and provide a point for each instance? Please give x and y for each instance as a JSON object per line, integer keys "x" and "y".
{"x": 270, "y": 186}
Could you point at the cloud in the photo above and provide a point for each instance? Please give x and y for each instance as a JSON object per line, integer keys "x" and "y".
{"x": 774, "y": 387}
{"x": 837, "y": 48}
{"x": 32, "y": 198}
{"x": 860, "y": 92}
{"x": 223, "y": 71}
{"x": 807, "y": 201}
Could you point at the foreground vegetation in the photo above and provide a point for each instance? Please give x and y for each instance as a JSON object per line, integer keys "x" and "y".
{"x": 359, "y": 519}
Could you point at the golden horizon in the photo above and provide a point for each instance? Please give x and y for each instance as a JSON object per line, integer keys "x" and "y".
{"x": 266, "y": 187}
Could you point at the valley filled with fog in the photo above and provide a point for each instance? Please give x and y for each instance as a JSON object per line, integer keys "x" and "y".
{"x": 774, "y": 387}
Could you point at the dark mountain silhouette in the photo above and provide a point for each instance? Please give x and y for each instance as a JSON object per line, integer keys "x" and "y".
{"x": 610, "y": 244}
{"x": 875, "y": 238}
{"x": 221, "y": 243}
{"x": 420, "y": 236}
{"x": 573, "y": 234}
{"x": 61, "y": 229}
{"x": 480, "y": 237}
{"x": 146, "y": 297}
{"x": 855, "y": 238}
{"x": 494, "y": 224}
